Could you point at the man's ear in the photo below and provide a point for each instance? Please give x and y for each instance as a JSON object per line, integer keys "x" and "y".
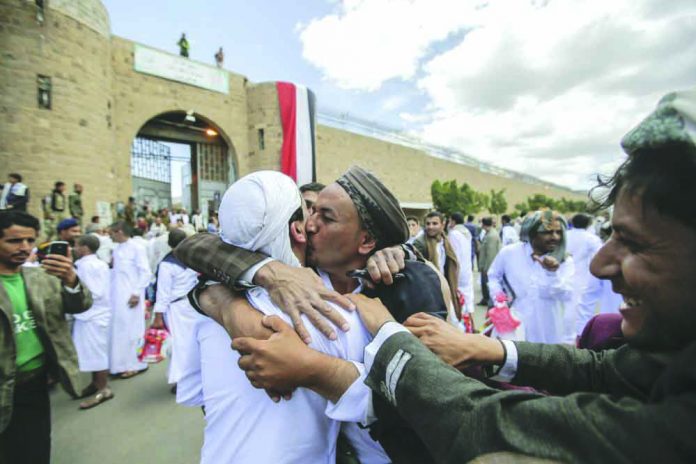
{"x": 367, "y": 243}
{"x": 297, "y": 232}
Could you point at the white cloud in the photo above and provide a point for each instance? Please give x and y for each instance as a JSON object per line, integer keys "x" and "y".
{"x": 368, "y": 42}
{"x": 546, "y": 88}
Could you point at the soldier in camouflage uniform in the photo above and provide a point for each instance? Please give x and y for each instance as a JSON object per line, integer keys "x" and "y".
{"x": 75, "y": 204}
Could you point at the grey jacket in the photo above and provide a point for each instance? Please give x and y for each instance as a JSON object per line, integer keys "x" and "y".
{"x": 618, "y": 406}
{"x": 49, "y": 302}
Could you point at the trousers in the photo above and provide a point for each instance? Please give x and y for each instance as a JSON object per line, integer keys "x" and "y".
{"x": 27, "y": 438}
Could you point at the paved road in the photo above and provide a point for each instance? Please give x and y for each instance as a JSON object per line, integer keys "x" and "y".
{"x": 141, "y": 424}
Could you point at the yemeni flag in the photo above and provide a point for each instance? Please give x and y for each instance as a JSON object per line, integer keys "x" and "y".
{"x": 297, "y": 116}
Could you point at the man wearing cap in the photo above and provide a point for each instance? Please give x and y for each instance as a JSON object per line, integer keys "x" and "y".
{"x": 68, "y": 230}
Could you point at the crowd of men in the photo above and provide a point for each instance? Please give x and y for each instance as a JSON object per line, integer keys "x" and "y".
{"x": 351, "y": 325}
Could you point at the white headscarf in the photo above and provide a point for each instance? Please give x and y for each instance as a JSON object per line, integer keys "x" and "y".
{"x": 254, "y": 214}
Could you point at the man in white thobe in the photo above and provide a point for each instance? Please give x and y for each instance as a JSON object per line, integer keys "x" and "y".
{"x": 537, "y": 275}
{"x": 305, "y": 428}
{"x": 460, "y": 238}
{"x": 508, "y": 234}
{"x": 91, "y": 328}
{"x": 582, "y": 245}
{"x": 130, "y": 277}
{"x": 172, "y": 308}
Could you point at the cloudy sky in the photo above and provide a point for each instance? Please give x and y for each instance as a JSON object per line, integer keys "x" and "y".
{"x": 544, "y": 87}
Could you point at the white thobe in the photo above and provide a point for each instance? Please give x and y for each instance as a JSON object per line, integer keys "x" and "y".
{"x": 173, "y": 284}
{"x": 509, "y": 235}
{"x": 91, "y": 328}
{"x": 543, "y": 299}
{"x": 240, "y": 419}
{"x": 156, "y": 230}
{"x": 106, "y": 248}
{"x": 157, "y": 249}
{"x": 582, "y": 245}
{"x": 130, "y": 276}
{"x": 461, "y": 244}
{"x": 598, "y": 292}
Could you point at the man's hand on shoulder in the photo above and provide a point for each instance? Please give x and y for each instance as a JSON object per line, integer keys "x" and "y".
{"x": 298, "y": 291}
{"x": 384, "y": 263}
{"x": 453, "y": 346}
{"x": 372, "y": 312}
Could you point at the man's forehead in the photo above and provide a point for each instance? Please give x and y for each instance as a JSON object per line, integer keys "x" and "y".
{"x": 16, "y": 231}
{"x": 334, "y": 197}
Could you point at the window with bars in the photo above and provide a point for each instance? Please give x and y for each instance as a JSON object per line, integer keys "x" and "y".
{"x": 151, "y": 160}
{"x": 212, "y": 162}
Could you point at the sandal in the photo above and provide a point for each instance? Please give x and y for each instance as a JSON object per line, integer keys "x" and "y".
{"x": 104, "y": 395}
{"x": 131, "y": 374}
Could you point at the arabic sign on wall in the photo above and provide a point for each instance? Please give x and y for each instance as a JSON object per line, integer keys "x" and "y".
{"x": 154, "y": 62}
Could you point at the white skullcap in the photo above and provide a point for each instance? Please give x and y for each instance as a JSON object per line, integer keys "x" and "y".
{"x": 254, "y": 214}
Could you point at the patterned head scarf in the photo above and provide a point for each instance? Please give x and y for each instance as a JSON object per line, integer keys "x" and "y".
{"x": 674, "y": 120}
{"x": 255, "y": 211}
{"x": 377, "y": 207}
{"x": 542, "y": 220}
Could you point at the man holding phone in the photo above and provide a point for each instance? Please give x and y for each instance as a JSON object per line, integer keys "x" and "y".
{"x": 34, "y": 339}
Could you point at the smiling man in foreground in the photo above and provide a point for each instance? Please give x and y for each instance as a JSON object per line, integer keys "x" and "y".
{"x": 633, "y": 404}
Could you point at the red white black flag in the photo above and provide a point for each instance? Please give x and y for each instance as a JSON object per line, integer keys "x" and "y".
{"x": 297, "y": 116}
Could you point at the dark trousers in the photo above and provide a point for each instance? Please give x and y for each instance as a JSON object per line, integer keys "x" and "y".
{"x": 485, "y": 295}
{"x": 27, "y": 439}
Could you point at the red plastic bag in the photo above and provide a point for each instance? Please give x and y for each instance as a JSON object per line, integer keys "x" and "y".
{"x": 152, "y": 351}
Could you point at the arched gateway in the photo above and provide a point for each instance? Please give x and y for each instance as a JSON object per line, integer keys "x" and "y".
{"x": 207, "y": 162}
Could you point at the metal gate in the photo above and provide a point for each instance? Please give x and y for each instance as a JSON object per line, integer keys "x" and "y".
{"x": 151, "y": 170}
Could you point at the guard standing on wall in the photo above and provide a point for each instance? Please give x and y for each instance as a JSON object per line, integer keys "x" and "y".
{"x": 220, "y": 58}
{"x": 183, "y": 46}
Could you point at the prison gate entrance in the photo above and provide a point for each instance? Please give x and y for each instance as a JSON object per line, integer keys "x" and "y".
{"x": 200, "y": 173}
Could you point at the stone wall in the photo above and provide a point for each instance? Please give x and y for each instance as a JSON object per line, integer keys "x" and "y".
{"x": 409, "y": 172}
{"x": 72, "y": 140}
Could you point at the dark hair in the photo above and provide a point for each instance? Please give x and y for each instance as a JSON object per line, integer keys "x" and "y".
{"x": 580, "y": 221}
{"x": 505, "y": 218}
{"x": 131, "y": 199}
{"x": 487, "y": 221}
{"x": 470, "y": 218}
{"x": 176, "y": 236}
{"x": 436, "y": 214}
{"x": 18, "y": 218}
{"x": 663, "y": 177}
{"x": 90, "y": 241}
{"x": 312, "y": 187}
{"x": 298, "y": 215}
{"x": 458, "y": 218}
{"x": 58, "y": 184}
{"x": 412, "y": 218}
{"x": 122, "y": 226}
{"x": 95, "y": 219}
{"x": 14, "y": 175}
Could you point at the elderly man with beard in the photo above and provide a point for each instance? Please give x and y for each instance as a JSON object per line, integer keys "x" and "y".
{"x": 636, "y": 403}
{"x": 537, "y": 277}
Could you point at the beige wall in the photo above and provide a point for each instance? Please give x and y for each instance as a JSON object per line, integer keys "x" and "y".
{"x": 409, "y": 173}
{"x": 71, "y": 142}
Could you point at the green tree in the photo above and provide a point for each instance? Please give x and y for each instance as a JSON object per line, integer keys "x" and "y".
{"x": 448, "y": 198}
{"x": 498, "y": 204}
{"x": 539, "y": 200}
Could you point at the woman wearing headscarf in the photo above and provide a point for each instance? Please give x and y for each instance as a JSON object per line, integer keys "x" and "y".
{"x": 536, "y": 276}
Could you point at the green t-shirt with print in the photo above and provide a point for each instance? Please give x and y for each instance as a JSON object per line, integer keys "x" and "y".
{"x": 29, "y": 348}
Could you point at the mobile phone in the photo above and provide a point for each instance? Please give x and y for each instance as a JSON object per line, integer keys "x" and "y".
{"x": 58, "y": 248}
